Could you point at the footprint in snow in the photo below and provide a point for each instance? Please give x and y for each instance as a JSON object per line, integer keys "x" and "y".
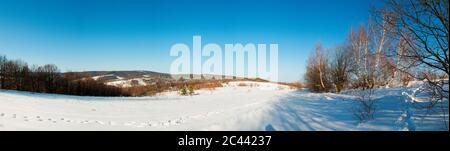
{"x": 112, "y": 123}
{"x": 83, "y": 121}
{"x": 161, "y": 123}
{"x": 2, "y": 114}
{"x": 14, "y": 116}
{"x": 150, "y": 124}
{"x": 179, "y": 121}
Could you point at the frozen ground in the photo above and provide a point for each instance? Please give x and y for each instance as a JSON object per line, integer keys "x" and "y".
{"x": 256, "y": 106}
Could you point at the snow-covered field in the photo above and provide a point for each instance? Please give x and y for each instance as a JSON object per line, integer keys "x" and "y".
{"x": 255, "y": 106}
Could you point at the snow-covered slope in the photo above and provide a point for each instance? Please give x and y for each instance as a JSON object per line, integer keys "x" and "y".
{"x": 333, "y": 112}
{"x": 129, "y": 83}
{"x": 236, "y": 106}
{"x": 125, "y": 79}
{"x": 169, "y": 111}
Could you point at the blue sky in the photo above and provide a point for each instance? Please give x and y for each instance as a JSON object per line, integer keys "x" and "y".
{"x": 82, "y": 35}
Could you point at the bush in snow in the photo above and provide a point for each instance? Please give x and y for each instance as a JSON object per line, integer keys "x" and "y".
{"x": 364, "y": 110}
{"x": 191, "y": 90}
{"x": 183, "y": 91}
{"x": 318, "y": 71}
{"x": 187, "y": 90}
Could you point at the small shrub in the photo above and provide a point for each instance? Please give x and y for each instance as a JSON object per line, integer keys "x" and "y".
{"x": 191, "y": 90}
{"x": 183, "y": 91}
{"x": 365, "y": 107}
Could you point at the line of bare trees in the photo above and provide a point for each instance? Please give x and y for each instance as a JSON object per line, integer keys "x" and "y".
{"x": 17, "y": 75}
{"x": 358, "y": 63}
{"x": 404, "y": 40}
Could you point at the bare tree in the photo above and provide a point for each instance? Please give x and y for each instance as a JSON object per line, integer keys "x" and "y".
{"x": 33, "y": 77}
{"x": 20, "y": 73}
{"x": 424, "y": 27}
{"x": 317, "y": 71}
{"x": 2, "y": 71}
{"x": 380, "y": 31}
{"x": 422, "y": 35}
{"x": 340, "y": 68}
{"x": 50, "y": 73}
{"x": 362, "y": 62}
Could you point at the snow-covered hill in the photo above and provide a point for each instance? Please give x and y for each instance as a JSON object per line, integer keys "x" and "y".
{"x": 236, "y": 106}
{"x": 125, "y": 79}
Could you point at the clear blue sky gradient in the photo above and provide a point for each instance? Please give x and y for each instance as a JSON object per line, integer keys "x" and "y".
{"x": 83, "y": 35}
